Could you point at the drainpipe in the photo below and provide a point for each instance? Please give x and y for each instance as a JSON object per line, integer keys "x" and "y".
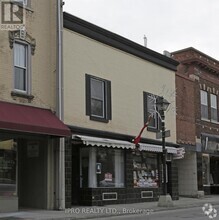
{"x": 60, "y": 197}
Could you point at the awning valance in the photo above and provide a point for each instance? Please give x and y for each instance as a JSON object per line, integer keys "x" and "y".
{"x": 103, "y": 142}
{"x": 157, "y": 148}
{"x": 28, "y": 119}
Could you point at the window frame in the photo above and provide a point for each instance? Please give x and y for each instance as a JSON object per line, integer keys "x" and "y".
{"x": 203, "y": 92}
{"x": 107, "y": 112}
{"x": 95, "y": 168}
{"x": 146, "y": 115}
{"x": 21, "y": 2}
{"x": 102, "y": 100}
{"x": 27, "y": 68}
{"x": 146, "y": 162}
{"x": 214, "y": 107}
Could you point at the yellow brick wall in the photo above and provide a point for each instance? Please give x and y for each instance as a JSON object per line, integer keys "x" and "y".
{"x": 41, "y": 25}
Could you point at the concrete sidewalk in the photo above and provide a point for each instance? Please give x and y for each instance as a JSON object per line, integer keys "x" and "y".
{"x": 94, "y": 212}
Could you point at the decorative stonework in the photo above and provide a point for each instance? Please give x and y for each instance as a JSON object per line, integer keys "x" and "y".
{"x": 13, "y": 35}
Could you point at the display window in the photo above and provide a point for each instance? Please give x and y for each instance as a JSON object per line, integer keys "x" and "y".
{"x": 8, "y": 155}
{"x": 214, "y": 174}
{"x": 102, "y": 167}
{"x": 206, "y": 169}
{"x": 145, "y": 170}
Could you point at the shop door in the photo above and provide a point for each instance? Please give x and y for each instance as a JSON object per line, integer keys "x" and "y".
{"x": 75, "y": 175}
{"x": 169, "y": 178}
{"x": 32, "y": 184}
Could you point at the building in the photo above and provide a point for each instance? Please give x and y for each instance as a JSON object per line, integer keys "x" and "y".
{"x": 197, "y": 122}
{"x": 110, "y": 87}
{"x": 30, "y": 129}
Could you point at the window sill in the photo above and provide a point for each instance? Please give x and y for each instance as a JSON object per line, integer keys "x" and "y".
{"x": 104, "y": 120}
{"x": 205, "y": 119}
{"x": 214, "y": 122}
{"x": 22, "y": 95}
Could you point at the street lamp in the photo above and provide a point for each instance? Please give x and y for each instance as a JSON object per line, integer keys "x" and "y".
{"x": 162, "y": 105}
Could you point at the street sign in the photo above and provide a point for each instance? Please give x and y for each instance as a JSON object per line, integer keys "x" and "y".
{"x": 159, "y": 134}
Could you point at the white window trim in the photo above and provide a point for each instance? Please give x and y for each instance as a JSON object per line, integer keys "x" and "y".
{"x": 28, "y": 69}
{"x": 204, "y": 102}
{"x": 156, "y": 118}
{"x": 213, "y": 98}
{"x": 104, "y": 97}
{"x": 212, "y": 95}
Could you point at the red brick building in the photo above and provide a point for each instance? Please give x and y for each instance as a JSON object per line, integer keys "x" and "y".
{"x": 197, "y": 84}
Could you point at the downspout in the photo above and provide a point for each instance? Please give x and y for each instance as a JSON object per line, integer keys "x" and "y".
{"x": 60, "y": 203}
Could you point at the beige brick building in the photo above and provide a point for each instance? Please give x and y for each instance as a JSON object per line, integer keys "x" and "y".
{"x": 29, "y": 96}
{"x": 111, "y": 85}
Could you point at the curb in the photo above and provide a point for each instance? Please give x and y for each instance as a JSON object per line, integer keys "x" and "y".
{"x": 142, "y": 210}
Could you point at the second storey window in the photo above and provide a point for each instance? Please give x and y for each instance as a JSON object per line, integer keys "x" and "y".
{"x": 214, "y": 116}
{"x": 98, "y": 98}
{"x": 150, "y": 108}
{"x": 204, "y": 104}
{"x": 20, "y": 67}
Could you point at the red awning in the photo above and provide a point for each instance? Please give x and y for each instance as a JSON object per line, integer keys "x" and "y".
{"x": 28, "y": 119}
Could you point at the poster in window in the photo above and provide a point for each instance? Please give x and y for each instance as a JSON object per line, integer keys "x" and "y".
{"x": 108, "y": 177}
{"x": 98, "y": 168}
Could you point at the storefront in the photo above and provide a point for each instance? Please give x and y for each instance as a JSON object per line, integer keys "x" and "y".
{"x": 210, "y": 163}
{"x": 28, "y": 138}
{"x": 112, "y": 171}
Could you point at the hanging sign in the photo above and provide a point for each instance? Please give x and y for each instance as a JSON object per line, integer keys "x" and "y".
{"x": 180, "y": 154}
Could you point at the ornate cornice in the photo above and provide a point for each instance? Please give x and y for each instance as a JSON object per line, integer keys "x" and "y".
{"x": 191, "y": 55}
{"x": 13, "y": 35}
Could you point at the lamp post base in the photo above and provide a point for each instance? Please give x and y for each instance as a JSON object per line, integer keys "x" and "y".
{"x": 165, "y": 201}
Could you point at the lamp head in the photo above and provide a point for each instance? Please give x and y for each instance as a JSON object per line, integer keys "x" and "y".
{"x": 162, "y": 104}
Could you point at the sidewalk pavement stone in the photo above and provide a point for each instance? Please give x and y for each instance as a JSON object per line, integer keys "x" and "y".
{"x": 94, "y": 212}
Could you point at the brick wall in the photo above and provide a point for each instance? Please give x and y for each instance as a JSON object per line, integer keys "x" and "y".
{"x": 185, "y": 110}
{"x": 204, "y": 72}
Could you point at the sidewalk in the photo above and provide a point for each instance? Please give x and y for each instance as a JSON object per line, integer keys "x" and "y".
{"x": 91, "y": 212}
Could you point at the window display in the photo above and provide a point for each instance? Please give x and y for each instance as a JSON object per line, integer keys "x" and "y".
{"x": 206, "y": 169}
{"x": 214, "y": 164}
{"x": 102, "y": 167}
{"x": 7, "y": 168}
{"x": 145, "y": 170}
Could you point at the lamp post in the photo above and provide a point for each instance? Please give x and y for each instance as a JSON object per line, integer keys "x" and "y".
{"x": 162, "y": 105}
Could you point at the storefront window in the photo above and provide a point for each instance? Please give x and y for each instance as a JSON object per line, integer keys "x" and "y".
{"x": 102, "y": 167}
{"x": 206, "y": 169}
{"x": 214, "y": 164}
{"x": 8, "y": 154}
{"x": 145, "y": 170}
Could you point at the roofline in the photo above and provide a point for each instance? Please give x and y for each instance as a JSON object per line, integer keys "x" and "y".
{"x": 195, "y": 50}
{"x": 97, "y": 33}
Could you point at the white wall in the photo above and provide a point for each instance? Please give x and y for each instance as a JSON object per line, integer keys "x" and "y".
{"x": 129, "y": 76}
{"x": 187, "y": 173}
